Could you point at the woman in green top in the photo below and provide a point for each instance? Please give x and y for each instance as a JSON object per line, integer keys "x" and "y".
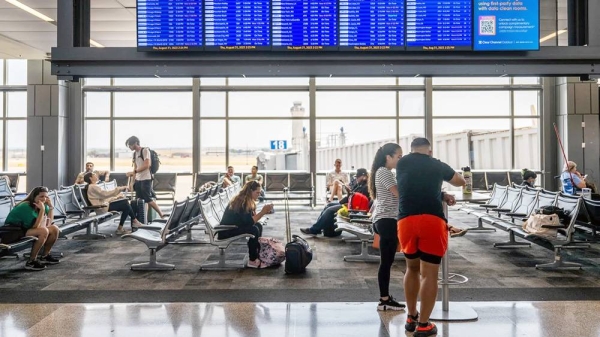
{"x": 35, "y": 215}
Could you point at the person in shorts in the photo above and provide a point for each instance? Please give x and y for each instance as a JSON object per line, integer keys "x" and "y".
{"x": 423, "y": 229}
{"x": 141, "y": 171}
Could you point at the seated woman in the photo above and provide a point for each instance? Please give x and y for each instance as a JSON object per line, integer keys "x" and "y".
{"x": 241, "y": 212}
{"x": 529, "y": 178}
{"x": 570, "y": 177}
{"x": 35, "y": 215}
{"x": 112, "y": 200}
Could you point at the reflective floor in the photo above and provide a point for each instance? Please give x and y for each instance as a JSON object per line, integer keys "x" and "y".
{"x": 504, "y": 319}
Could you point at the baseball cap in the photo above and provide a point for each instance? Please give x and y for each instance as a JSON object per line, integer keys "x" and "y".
{"x": 361, "y": 172}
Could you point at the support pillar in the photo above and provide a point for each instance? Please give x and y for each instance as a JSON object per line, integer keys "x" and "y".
{"x": 47, "y": 127}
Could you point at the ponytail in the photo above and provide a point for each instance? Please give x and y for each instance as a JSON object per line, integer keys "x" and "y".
{"x": 379, "y": 161}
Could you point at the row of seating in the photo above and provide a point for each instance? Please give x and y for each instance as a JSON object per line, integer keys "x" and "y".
{"x": 200, "y": 208}
{"x": 486, "y": 180}
{"x": 72, "y": 212}
{"x": 299, "y": 184}
{"x": 13, "y": 180}
{"x": 508, "y": 207}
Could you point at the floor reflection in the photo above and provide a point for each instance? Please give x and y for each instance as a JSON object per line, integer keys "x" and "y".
{"x": 286, "y": 319}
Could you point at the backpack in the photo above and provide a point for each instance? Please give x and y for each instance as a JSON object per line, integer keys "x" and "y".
{"x": 154, "y": 160}
{"x": 272, "y": 251}
{"x": 358, "y": 202}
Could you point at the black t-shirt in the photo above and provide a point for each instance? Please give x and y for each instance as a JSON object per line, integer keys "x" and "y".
{"x": 238, "y": 219}
{"x": 360, "y": 188}
{"x": 419, "y": 179}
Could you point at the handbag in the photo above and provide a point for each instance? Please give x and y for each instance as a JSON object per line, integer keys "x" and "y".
{"x": 11, "y": 233}
{"x": 542, "y": 225}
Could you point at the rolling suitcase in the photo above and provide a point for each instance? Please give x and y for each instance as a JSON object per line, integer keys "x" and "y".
{"x": 297, "y": 251}
{"x": 139, "y": 208}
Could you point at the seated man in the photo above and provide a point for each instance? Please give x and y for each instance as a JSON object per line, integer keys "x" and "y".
{"x": 229, "y": 178}
{"x": 254, "y": 176}
{"x": 326, "y": 221}
{"x": 89, "y": 168}
{"x": 336, "y": 179}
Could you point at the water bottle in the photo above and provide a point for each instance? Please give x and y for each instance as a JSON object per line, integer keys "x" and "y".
{"x": 468, "y": 188}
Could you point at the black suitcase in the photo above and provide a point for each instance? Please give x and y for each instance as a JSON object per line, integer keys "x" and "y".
{"x": 297, "y": 251}
{"x": 139, "y": 208}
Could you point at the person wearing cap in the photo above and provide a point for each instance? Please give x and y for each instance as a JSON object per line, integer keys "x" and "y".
{"x": 326, "y": 220}
{"x": 529, "y": 178}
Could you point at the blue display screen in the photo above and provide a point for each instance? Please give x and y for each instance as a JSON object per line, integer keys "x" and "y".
{"x": 304, "y": 24}
{"x": 169, "y": 25}
{"x": 439, "y": 25}
{"x": 507, "y": 25}
{"x": 237, "y": 24}
{"x": 372, "y": 24}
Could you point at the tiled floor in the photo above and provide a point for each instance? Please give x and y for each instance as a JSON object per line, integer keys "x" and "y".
{"x": 104, "y": 266}
{"x": 496, "y": 319}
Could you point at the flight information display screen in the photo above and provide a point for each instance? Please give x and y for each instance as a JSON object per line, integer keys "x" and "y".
{"x": 237, "y": 24}
{"x": 372, "y": 25}
{"x": 338, "y": 25}
{"x": 439, "y": 25}
{"x": 169, "y": 25}
{"x": 305, "y": 24}
{"x": 511, "y": 26}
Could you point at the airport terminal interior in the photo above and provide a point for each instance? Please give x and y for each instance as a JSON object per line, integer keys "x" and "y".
{"x": 515, "y": 97}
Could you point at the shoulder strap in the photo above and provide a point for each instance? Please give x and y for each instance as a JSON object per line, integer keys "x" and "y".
{"x": 142, "y": 153}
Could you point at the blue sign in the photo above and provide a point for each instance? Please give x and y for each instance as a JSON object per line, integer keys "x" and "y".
{"x": 279, "y": 145}
{"x": 507, "y": 25}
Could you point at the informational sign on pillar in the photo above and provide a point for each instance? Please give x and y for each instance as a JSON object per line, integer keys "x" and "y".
{"x": 279, "y": 145}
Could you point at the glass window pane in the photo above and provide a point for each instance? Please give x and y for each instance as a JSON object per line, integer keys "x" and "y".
{"x": 471, "y": 80}
{"x": 526, "y": 80}
{"x": 258, "y": 81}
{"x": 1, "y": 72}
{"x": 2, "y": 144}
{"x": 351, "y": 141}
{"x": 355, "y": 81}
{"x": 411, "y": 80}
{"x": 408, "y": 130}
{"x": 17, "y": 104}
{"x": 2, "y": 103}
{"x": 212, "y": 104}
{"x": 212, "y": 81}
{"x": 267, "y": 104}
{"x": 356, "y": 103}
{"x": 212, "y": 146}
{"x": 17, "y": 72}
{"x": 153, "y": 81}
{"x": 153, "y": 104}
{"x": 471, "y": 103}
{"x": 97, "y": 104}
{"x": 91, "y": 81}
{"x": 479, "y": 143}
{"x": 527, "y": 144}
{"x": 171, "y": 139}
{"x": 249, "y": 139}
{"x": 412, "y": 103}
{"x": 526, "y": 103}
{"x": 97, "y": 142}
{"x": 16, "y": 144}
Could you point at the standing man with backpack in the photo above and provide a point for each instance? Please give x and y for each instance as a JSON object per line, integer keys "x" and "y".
{"x": 145, "y": 164}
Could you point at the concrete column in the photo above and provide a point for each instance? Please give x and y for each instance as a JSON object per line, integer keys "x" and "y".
{"x": 47, "y": 127}
{"x": 578, "y": 123}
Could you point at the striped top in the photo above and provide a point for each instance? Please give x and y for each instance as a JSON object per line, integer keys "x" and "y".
{"x": 387, "y": 203}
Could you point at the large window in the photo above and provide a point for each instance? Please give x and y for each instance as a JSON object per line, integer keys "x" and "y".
{"x": 486, "y": 123}
{"x": 13, "y": 108}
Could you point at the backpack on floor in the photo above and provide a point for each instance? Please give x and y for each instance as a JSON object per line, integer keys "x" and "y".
{"x": 358, "y": 202}
{"x": 272, "y": 251}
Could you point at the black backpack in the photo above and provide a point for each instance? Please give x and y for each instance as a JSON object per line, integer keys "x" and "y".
{"x": 154, "y": 160}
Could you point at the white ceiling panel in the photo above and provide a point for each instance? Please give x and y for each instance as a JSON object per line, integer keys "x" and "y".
{"x": 116, "y": 36}
{"x": 117, "y": 43}
{"x": 30, "y": 36}
{"x": 113, "y": 26}
{"x": 27, "y": 26}
{"x": 128, "y": 3}
{"x": 103, "y": 14}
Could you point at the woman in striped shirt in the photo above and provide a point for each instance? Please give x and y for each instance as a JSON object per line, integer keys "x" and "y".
{"x": 382, "y": 186}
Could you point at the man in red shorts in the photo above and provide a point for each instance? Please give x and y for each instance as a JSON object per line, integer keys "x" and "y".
{"x": 423, "y": 229}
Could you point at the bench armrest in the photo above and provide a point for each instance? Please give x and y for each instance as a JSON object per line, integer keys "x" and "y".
{"x": 93, "y": 207}
{"x": 488, "y": 206}
{"x": 501, "y": 210}
{"x": 552, "y": 226}
{"x": 363, "y": 221}
{"x": 516, "y": 215}
{"x": 221, "y": 228}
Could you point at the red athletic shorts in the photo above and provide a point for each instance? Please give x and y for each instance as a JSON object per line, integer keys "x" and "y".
{"x": 423, "y": 236}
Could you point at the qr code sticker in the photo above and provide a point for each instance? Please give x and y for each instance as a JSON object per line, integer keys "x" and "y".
{"x": 487, "y": 25}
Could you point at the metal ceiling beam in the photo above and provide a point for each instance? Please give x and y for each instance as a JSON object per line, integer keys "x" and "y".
{"x": 128, "y": 62}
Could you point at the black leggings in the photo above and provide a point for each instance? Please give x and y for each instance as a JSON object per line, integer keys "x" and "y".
{"x": 124, "y": 207}
{"x": 253, "y": 245}
{"x": 388, "y": 243}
